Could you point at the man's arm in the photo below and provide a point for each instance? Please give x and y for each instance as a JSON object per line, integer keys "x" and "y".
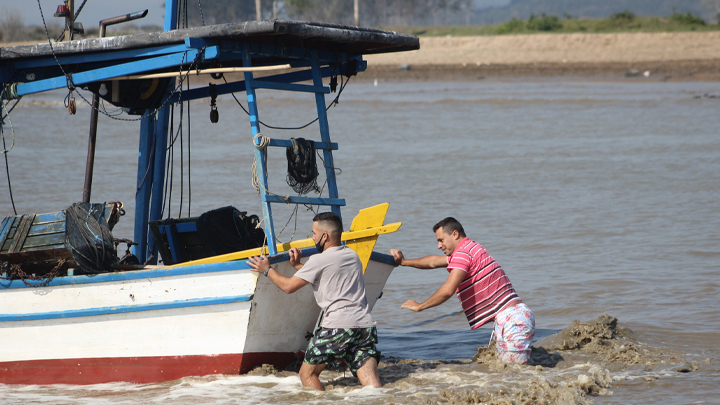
{"x": 427, "y": 262}
{"x": 287, "y": 284}
{"x": 443, "y": 293}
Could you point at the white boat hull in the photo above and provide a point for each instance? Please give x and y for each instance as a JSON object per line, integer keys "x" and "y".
{"x": 157, "y": 325}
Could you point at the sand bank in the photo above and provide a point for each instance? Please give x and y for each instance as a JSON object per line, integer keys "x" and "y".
{"x": 677, "y": 55}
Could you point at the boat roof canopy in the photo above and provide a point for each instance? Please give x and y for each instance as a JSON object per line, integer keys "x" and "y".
{"x": 306, "y": 35}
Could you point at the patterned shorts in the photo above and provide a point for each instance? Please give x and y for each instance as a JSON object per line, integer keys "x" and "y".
{"x": 514, "y": 331}
{"x": 333, "y": 346}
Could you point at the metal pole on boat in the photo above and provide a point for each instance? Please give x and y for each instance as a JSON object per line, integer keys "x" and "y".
{"x": 90, "y": 164}
{"x": 120, "y": 19}
{"x": 171, "y": 8}
{"x": 70, "y": 20}
{"x": 356, "y": 12}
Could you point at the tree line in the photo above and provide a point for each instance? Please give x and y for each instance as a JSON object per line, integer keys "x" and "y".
{"x": 399, "y": 13}
{"x": 372, "y": 13}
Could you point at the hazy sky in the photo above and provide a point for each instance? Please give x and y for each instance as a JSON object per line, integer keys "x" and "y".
{"x": 92, "y": 13}
{"x": 490, "y": 3}
{"x": 96, "y": 10}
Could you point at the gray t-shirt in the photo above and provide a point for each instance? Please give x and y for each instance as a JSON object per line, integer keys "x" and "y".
{"x": 339, "y": 287}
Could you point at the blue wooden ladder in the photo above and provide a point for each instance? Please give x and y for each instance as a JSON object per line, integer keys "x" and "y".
{"x": 261, "y": 154}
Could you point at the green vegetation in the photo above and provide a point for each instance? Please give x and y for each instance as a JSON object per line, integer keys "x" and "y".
{"x": 623, "y": 16}
{"x": 544, "y": 23}
{"x": 513, "y": 25}
{"x": 687, "y": 19}
{"x": 623, "y": 21}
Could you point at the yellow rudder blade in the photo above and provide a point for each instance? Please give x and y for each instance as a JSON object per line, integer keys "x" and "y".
{"x": 367, "y": 218}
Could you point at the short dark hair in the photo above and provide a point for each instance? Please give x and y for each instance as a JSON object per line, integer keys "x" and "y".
{"x": 332, "y": 221}
{"x": 449, "y": 225}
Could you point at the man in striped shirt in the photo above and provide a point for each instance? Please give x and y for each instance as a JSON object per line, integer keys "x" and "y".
{"x": 484, "y": 290}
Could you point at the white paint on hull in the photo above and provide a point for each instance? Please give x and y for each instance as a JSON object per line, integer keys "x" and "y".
{"x": 138, "y": 292}
{"x": 206, "y": 330}
{"x": 272, "y": 322}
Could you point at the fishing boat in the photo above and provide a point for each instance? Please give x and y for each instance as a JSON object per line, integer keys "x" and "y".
{"x": 201, "y": 311}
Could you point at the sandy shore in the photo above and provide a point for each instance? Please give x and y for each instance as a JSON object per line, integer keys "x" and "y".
{"x": 666, "y": 56}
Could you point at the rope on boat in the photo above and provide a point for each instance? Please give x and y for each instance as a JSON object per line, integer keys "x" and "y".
{"x": 189, "y": 160}
{"x": 336, "y": 101}
{"x": 4, "y": 145}
{"x": 52, "y": 50}
{"x": 201, "y": 13}
{"x": 5, "y": 151}
{"x": 261, "y": 142}
{"x": 170, "y": 160}
{"x": 294, "y": 214}
{"x": 9, "y": 92}
{"x": 264, "y": 142}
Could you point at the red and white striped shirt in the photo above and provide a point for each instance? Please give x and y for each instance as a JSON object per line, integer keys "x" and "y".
{"x": 486, "y": 289}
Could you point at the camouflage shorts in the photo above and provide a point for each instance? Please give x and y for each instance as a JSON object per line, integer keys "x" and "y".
{"x": 332, "y": 346}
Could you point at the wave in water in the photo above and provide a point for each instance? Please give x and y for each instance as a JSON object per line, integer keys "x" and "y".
{"x": 583, "y": 362}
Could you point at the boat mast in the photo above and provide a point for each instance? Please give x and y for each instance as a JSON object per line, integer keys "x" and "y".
{"x": 70, "y": 20}
{"x": 92, "y": 139}
{"x": 151, "y": 163}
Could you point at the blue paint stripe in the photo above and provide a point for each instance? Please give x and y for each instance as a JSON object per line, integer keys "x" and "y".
{"x": 383, "y": 258}
{"x": 122, "y": 309}
{"x": 260, "y": 84}
{"x": 285, "y": 143}
{"x": 110, "y": 72}
{"x": 134, "y": 275}
{"x": 239, "y": 86}
{"x": 101, "y": 57}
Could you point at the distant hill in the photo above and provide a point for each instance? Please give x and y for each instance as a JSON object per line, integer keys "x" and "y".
{"x": 522, "y": 9}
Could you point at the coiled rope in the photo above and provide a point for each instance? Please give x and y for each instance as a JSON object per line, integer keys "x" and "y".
{"x": 2, "y": 121}
{"x": 10, "y": 92}
{"x": 264, "y": 142}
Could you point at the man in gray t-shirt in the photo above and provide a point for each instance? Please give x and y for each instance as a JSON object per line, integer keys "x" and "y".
{"x": 347, "y": 332}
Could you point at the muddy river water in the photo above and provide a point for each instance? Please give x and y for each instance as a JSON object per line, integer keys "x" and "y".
{"x": 600, "y": 199}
